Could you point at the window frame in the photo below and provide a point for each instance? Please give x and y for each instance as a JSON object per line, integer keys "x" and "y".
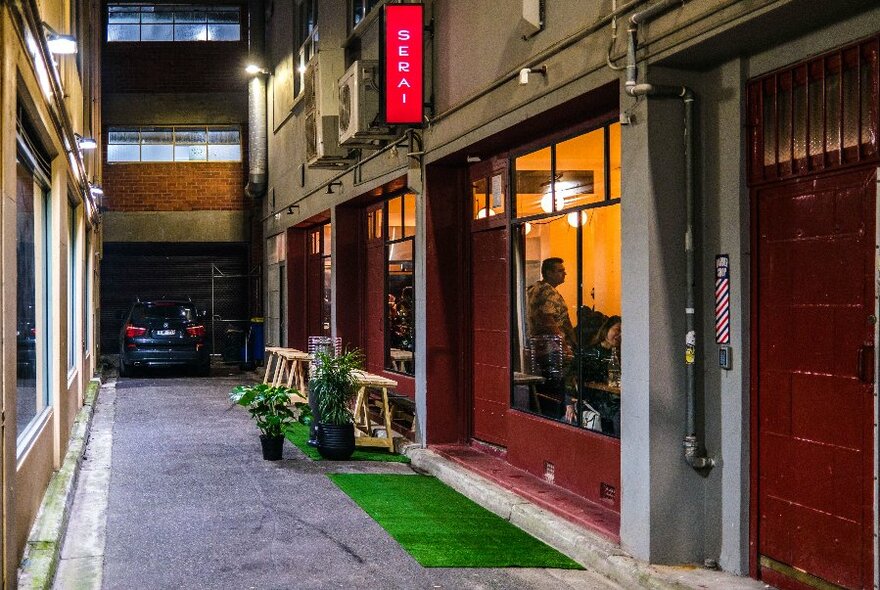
{"x": 387, "y": 243}
{"x": 174, "y": 10}
{"x": 515, "y": 223}
{"x": 31, "y": 160}
{"x": 173, "y": 145}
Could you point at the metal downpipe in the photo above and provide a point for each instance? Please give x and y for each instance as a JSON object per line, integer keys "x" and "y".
{"x": 694, "y": 453}
{"x": 258, "y": 139}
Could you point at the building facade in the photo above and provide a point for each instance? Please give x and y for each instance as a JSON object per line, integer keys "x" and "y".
{"x": 177, "y": 217}
{"x": 51, "y": 238}
{"x": 628, "y": 250}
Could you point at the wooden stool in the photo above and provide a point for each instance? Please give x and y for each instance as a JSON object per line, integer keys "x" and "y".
{"x": 271, "y": 354}
{"x": 362, "y": 421}
{"x": 293, "y": 362}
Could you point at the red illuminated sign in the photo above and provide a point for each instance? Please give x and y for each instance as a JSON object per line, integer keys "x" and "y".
{"x": 403, "y": 64}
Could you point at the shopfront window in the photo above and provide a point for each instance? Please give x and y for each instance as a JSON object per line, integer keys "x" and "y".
{"x": 400, "y": 231}
{"x": 319, "y": 280}
{"x": 32, "y": 231}
{"x": 566, "y": 253}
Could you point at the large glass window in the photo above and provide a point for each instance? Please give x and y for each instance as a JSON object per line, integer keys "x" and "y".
{"x": 399, "y": 230}
{"x": 71, "y": 289}
{"x": 174, "y": 144}
{"x": 319, "y": 280}
{"x": 566, "y": 253}
{"x": 32, "y": 333}
{"x": 181, "y": 22}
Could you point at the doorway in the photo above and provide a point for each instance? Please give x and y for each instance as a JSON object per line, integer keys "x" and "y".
{"x": 815, "y": 379}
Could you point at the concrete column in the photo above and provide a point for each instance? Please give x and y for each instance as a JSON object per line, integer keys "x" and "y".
{"x": 662, "y": 497}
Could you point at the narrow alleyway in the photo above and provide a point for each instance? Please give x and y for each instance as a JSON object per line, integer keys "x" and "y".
{"x": 174, "y": 494}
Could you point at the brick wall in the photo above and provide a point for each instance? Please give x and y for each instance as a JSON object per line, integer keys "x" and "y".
{"x": 171, "y": 186}
{"x": 174, "y": 67}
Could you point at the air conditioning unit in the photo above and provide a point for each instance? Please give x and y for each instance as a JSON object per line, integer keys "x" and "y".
{"x": 320, "y": 109}
{"x": 359, "y": 106}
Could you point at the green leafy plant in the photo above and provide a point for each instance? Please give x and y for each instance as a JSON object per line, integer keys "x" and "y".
{"x": 333, "y": 384}
{"x": 267, "y": 405}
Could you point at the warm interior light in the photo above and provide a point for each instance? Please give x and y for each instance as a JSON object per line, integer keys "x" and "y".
{"x": 575, "y": 219}
{"x": 483, "y": 213}
{"x": 528, "y": 227}
{"x": 547, "y": 200}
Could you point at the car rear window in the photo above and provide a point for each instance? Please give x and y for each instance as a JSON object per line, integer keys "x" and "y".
{"x": 164, "y": 312}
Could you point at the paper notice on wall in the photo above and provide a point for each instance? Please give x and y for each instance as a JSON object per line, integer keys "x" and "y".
{"x": 497, "y": 191}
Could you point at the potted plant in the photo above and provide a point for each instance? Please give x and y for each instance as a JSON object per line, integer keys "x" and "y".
{"x": 333, "y": 385}
{"x": 268, "y": 406}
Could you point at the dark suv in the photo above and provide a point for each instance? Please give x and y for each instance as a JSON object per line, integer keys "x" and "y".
{"x": 163, "y": 333}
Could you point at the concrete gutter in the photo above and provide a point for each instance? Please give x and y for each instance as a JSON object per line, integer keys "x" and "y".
{"x": 41, "y": 554}
{"x": 582, "y": 545}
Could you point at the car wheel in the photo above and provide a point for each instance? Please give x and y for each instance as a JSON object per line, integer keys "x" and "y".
{"x": 124, "y": 369}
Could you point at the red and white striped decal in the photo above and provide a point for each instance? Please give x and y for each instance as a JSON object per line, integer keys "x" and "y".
{"x": 722, "y": 299}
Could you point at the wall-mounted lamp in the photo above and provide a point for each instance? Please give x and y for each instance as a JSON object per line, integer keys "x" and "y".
{"x": 330, "y": 186}
{"x": 85, "y": 143}
{"x": 96, "y": 190}
{"x": 524, "y": 74}
{"x": 472, "y": 159}
{"x": 254, "y": 69}
{"x": 290, "y": 209}
{"x": 59, "y": 44}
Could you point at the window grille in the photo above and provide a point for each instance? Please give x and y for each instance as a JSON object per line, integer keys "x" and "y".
{"x": 817, "y": 115}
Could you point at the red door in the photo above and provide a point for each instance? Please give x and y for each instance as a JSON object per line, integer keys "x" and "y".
{"x": 490, "y": 299}
{"x": 815, "y": 380}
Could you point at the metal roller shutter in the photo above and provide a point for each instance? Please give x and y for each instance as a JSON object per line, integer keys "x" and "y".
{"x": 215, "y": 276}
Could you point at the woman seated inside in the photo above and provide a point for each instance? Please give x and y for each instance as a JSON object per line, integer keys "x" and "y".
{"x": 603, "y": 351}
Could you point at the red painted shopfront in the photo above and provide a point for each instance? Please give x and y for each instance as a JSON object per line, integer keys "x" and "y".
{"x": 481, "y": 226}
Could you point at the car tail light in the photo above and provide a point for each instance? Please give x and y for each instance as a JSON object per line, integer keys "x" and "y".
{"x": 134, "y": 331}
{"x": 195, "y": 331}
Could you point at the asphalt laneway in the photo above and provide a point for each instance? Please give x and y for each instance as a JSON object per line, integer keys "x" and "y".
{"x": 191, "y": 504}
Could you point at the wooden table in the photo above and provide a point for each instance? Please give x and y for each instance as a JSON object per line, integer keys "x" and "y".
{"x": 400, "y": 359}
{"x": 603, "y": 387}
{"x": 290, "y": 370}
{"x": 531, "y": 381}
{"x": 363, "y": 422}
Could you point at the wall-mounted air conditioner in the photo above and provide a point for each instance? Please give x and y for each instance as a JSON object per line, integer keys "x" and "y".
{"x": 321, "y": 111}
{"x": 359, "y": 106}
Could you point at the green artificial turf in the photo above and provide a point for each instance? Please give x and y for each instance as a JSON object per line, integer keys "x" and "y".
{"x": 441, "y": 528}
{"x": 298, "y": 434}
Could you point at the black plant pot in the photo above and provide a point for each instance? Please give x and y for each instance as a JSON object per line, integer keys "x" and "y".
{"x": 272, "y": 447}
{"x": 336, "y": 442}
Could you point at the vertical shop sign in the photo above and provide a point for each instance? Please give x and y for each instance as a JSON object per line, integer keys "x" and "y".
{"x": 722, "y": 299}
{"x": 404, "y": 68}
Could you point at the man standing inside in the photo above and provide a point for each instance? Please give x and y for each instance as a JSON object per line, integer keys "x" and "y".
{"x": 547, "y": 311}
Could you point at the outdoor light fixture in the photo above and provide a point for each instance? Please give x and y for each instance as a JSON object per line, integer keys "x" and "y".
{"x": 290, "y": 209}
{"x": 59, "y": 44}
{"x": 524, "y": 74}
{"x": 302, "y": 69}
{"x": 254, "y": 69}
{"x": 85, "y": 143}
{"x": 96, "y": 190}
{"x": 472, "y": 159}
{"x": 330, "y": 186}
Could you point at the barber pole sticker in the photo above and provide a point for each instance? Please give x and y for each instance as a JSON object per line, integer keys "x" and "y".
{"x": 722, "y": 299}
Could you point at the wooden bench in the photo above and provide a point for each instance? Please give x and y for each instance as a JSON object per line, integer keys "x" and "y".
{"x": 363, "y": 419}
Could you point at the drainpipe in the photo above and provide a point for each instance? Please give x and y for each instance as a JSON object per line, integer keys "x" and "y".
{"x": 694, "y": 453}
{"x": 257, "y": 121}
